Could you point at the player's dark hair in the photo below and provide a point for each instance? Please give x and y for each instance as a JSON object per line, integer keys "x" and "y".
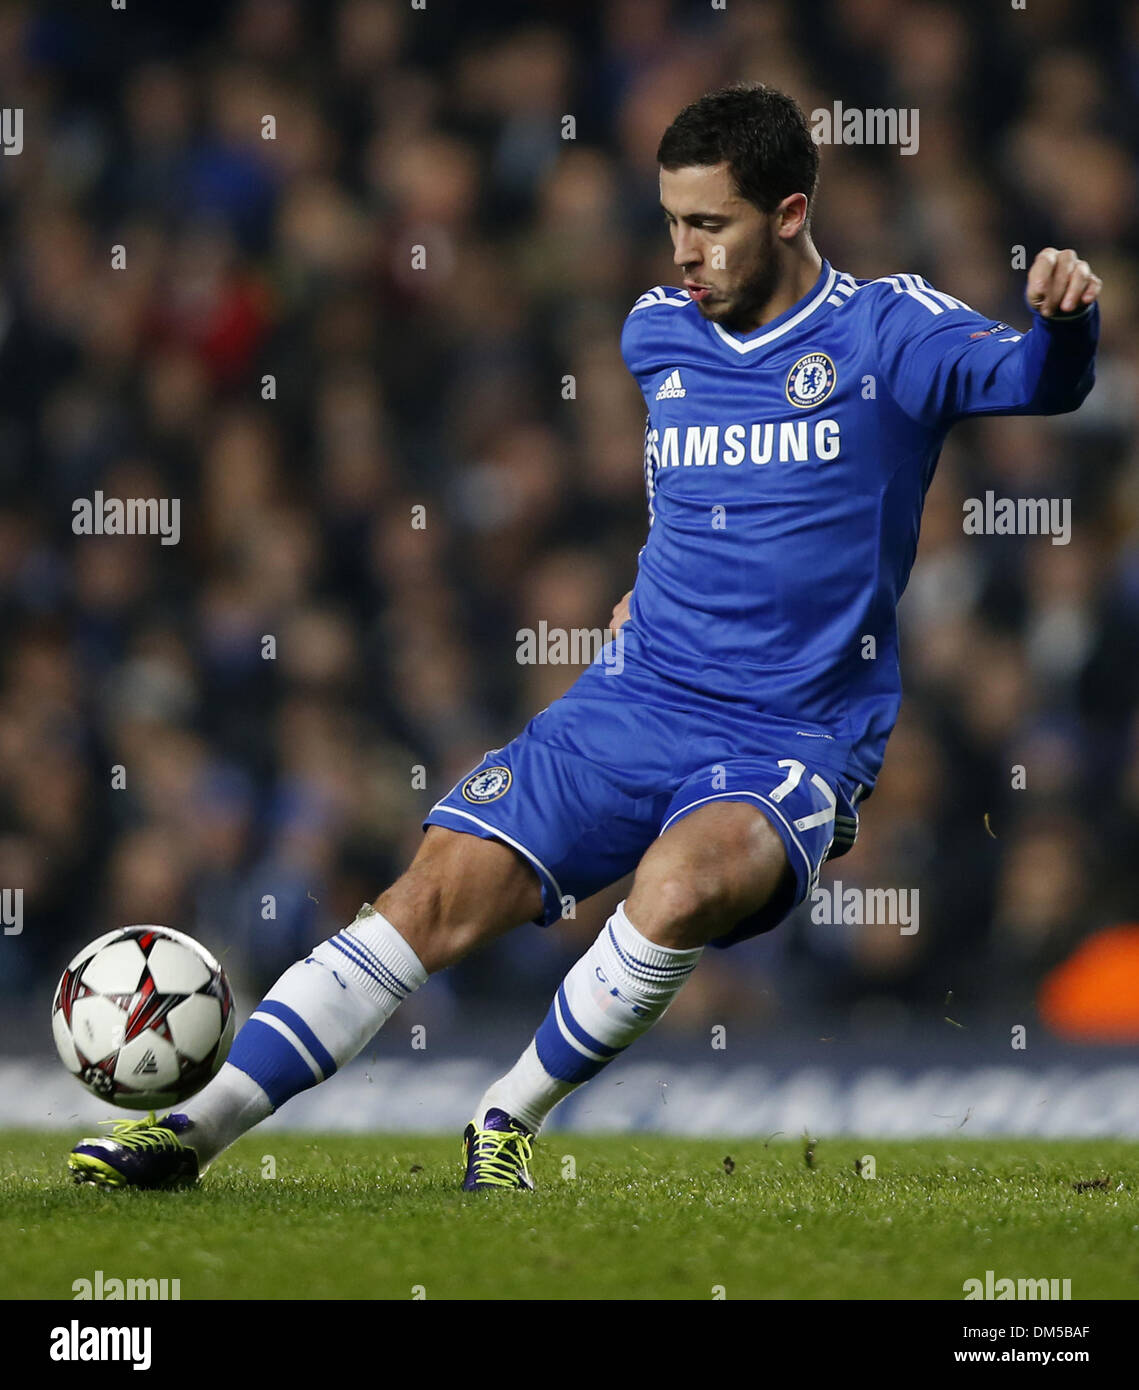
{"x": 760, "y": 133}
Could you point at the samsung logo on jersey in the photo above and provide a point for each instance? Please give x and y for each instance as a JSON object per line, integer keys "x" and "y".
{"x": 703, "y": 446}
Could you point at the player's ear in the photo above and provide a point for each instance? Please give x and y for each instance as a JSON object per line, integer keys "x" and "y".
{"x": 791, "y": 215}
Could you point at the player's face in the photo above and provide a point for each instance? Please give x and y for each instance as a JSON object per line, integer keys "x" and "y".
{"x": 725, "y": 245}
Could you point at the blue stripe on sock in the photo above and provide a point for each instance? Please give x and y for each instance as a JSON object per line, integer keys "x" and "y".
{"x": 375, "y": 959}
{"x": 350, "y": 948}
{"x": 558, "y": 1057}
{"x": 320, "y": 1055}
{"x": 361, "y": 962}
{"x": 272, "y": 1061}
{"x": 643, "y": 967}
{"x": 574, "y": 1028}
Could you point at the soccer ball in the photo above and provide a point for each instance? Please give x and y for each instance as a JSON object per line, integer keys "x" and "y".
{"x": 143, "y": 1017}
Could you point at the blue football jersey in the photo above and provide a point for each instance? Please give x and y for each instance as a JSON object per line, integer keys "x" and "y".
{"x": 786, "y": 470}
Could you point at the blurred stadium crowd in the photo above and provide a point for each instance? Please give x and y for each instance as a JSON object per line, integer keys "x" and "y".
{"x": 443, "y": 387}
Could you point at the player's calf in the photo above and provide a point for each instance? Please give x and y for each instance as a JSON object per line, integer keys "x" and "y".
{"x": 460, "y": 892}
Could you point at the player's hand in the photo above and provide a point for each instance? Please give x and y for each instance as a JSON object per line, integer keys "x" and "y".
{"x": 1059, "y": 282}
{"x": 620, "y": 613}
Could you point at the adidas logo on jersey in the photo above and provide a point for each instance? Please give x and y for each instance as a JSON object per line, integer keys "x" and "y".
{"x": 671, "y": 388}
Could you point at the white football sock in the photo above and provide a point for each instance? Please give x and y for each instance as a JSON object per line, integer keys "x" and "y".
{"x": 319, "y": 1015}
{"x": 614, "y": 993}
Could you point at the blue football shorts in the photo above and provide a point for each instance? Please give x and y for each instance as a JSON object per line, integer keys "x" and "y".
{"x": 594, "y": 778}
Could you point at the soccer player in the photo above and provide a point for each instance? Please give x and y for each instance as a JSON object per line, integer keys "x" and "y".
{"x": 795, "y": 416}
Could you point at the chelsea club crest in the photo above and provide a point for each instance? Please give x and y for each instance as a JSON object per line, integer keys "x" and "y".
{"x": 487, "y": 785}
{"x": 811, "y": 380}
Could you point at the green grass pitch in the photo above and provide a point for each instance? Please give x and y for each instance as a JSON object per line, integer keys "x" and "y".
{"x": 645, "y": 1216}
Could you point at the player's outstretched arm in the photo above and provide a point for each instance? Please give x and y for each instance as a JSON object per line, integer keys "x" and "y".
{"x": 942, "y": 361}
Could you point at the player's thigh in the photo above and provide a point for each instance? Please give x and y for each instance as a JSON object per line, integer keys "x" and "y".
{"x": 719, "y": 864}
{"x": 458, "y": 892}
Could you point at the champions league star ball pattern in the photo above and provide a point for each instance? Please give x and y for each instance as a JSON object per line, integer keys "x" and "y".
{"x": 143, "y": 1017}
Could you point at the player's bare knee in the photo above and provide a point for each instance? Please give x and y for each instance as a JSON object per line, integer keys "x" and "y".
{"x": 678, "y": 906}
